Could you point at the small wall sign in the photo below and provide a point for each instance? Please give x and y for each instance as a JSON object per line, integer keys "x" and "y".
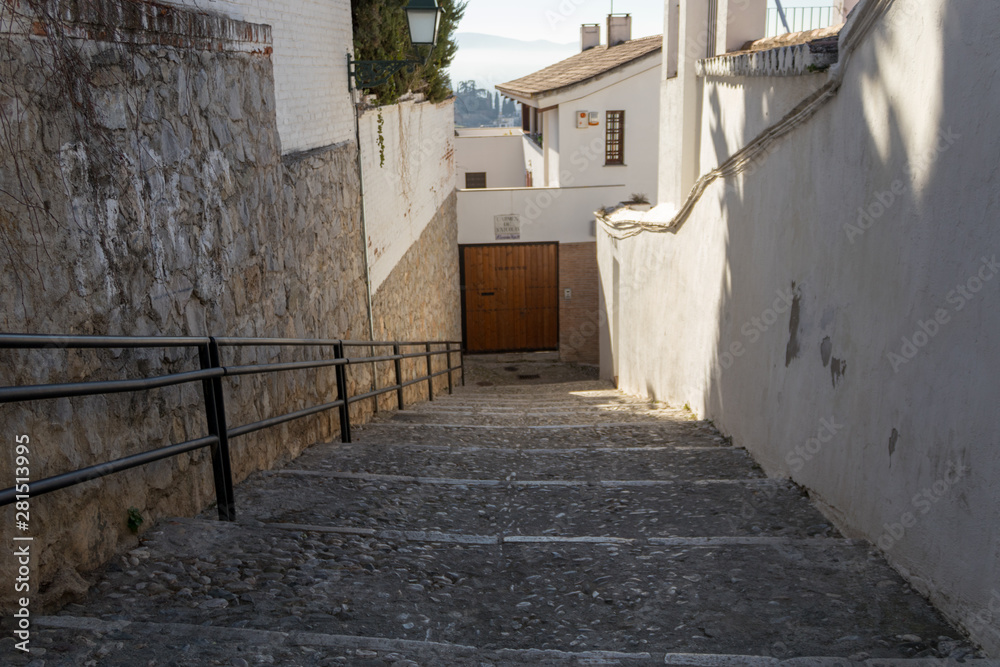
{"x": 507, "y": 227}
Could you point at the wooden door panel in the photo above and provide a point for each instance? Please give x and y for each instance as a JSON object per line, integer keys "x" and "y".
{"x": 510, "y": 297}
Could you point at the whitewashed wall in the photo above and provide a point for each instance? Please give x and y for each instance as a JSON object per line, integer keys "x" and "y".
{"x": 582, "y": 151}
{"x": 404, "y": 193}
{"x": 534, "y": 160}
{"x": 497, "y": 151}
{"x": 851, "y": 281}
{"x": 311, "y": 41}
{"x": 565, "y": 215}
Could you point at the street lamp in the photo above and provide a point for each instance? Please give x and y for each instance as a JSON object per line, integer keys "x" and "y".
{"x": 423, "y": 18}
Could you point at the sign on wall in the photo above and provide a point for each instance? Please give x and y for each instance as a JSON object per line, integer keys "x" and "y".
{"x": 507, "y": 227}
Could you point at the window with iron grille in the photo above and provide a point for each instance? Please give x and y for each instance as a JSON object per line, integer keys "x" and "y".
{"x": 614, "y": 138}
{"x": 475, "y": 179}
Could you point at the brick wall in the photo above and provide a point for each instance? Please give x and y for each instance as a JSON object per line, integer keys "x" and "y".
{"x": 578, "y": 315}
{"x": 311, "y": 39}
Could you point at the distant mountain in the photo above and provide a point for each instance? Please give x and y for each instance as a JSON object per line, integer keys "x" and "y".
{"x": 490, "y": 59}
{"x": 477, "y": 40}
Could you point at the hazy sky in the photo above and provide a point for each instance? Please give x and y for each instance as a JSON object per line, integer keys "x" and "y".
{"x": 559, "y": 20}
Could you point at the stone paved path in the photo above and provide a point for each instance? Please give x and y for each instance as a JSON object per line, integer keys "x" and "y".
{"x": 541, "y": 524}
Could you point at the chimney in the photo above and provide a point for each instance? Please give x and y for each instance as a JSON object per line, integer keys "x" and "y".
{"x": 590, "y": 36}
{"x": 619, "y": 28}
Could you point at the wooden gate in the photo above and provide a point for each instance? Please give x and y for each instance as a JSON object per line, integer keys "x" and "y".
{"x": 510, "y": 297}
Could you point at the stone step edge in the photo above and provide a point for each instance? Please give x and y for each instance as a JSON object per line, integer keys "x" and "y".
{"x": 596, "y": 449}
{"x": 467, "y": 538}
{"x": 723, "y": 660}
{"x": 544, "y": 427}
{"x": 451, "y": 481}
{"x": 528, "y": 410}
{"x": 299, "y": 638}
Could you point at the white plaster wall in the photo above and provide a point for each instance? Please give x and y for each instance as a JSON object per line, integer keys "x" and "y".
{"x": 498, "y": 152}
{"x": 534, "y": 161}
{"x": 742, "y": 108}
{"x": 680, "y": 97}
{"x": 911, "y": 138}
{"x": 551, "y": 147}
{"x": 311, "y": 41}
{"x": 582, "y": 150}
{"x": 403, "y": 194}
{"x": 547, "y": 214}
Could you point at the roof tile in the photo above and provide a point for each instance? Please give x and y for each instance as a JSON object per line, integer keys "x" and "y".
{"x": 582, "y": 66}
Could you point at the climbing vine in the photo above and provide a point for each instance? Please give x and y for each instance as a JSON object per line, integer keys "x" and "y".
{"x": 381, "y": 140}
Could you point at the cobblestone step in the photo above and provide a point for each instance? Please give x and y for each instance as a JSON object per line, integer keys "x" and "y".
{"x": 527, "y": 418}
{"x": 689, "y": 508}
{"x": 790, "y": 597}
{"x": 124, "y": 644}
{"x": 554, "y": 524}
{"x": 601, "y": 434}
{"x": 538, "y": 463}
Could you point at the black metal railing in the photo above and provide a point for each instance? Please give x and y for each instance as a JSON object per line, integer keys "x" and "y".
{"x": 211, "y": 373}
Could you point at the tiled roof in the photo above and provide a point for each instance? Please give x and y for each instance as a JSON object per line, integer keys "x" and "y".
{"x": 581, "y": 67}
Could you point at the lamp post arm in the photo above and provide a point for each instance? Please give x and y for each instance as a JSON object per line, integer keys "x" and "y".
{"x": 373, "y": 73}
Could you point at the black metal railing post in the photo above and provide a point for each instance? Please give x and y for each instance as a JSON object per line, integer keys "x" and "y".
{"x": 430, "y": 373}
{"x": 345, "y": 408}
{"x": 208, "y": 355}
{"x": 215, "y": 359}
{"x": 397, "y": 363}
{"x": 461, "y": 362}
{"x": 447, "y": 357}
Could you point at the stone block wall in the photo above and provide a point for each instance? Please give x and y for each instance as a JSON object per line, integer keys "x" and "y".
{"x": 143, "y": 191}
{"x": 579, "y": 315}
{"x": 311, "y": 40}
{"x": 427, "y": 274}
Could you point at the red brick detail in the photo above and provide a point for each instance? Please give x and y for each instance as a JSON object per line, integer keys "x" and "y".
{"x": 579, "y": 315}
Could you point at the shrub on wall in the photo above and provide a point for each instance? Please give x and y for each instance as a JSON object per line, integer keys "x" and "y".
{"x": 380, "y": 33}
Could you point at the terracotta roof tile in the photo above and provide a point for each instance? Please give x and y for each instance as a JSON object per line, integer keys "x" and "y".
{"x": 582, "y": 66}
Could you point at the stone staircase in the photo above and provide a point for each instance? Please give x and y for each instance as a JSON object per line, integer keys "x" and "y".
{"x": 541, "y": 524}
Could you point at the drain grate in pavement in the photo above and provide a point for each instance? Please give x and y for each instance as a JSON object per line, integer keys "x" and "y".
{"x": 536, "y": 376}
{"x": 510, "y": 369}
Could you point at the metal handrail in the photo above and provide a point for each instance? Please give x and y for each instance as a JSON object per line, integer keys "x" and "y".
{"x": 798, "y": 19}
{"x": 211, "y": 374}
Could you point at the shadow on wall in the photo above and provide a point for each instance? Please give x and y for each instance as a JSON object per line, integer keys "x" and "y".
{"x": 857, "y": 298}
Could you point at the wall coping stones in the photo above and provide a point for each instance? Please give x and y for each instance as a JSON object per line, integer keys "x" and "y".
{"x": 144, "y": 23}
{"x": 794, "y": 60}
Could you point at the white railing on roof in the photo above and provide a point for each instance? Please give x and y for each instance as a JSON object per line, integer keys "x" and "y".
{"x": 799, "y": 19}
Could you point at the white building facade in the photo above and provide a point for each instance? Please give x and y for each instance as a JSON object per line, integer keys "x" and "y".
{"x": 588, "y": 140}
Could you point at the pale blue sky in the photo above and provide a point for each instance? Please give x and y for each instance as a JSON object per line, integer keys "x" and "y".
{"x": 559, "y": 20}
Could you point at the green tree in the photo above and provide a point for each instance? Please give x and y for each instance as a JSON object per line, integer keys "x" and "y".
{"x": 380, "y": 33}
